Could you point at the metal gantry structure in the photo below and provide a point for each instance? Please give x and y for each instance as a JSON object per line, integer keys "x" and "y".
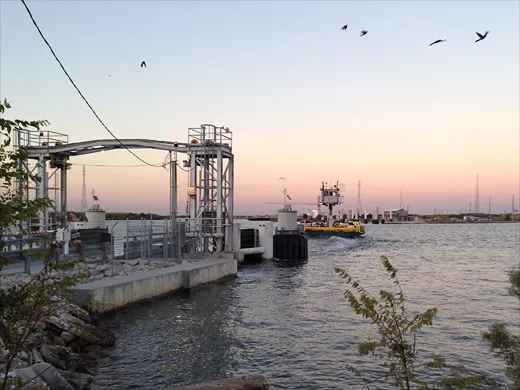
{"x": 210, "y": 188}
{"x": 42, "y": 168}
{"x": 209, "y": 165}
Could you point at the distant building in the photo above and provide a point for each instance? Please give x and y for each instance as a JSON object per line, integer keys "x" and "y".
{"x": 477, "y": 215}
{"x": 394, "y": 215}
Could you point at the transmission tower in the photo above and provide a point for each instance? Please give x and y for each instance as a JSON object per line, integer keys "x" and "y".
{"x": 359, "y": 206}
{"x": 477, "y": 197}
{"x": 84, "y": 205}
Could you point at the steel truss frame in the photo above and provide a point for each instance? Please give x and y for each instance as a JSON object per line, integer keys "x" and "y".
{"x": 210, "y": 190}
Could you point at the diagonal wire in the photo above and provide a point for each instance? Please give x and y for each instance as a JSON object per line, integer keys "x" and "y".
{"x": 77, "y": 89}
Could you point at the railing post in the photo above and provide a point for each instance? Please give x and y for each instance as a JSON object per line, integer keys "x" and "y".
{"x": 150, "y": 241}
{"x": 142, "y": 238}
{"x": 126, "y": 240}
{"x": 165, "y": 239}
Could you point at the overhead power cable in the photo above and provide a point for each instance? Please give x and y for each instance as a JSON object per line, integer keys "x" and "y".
{"x": 77, "y": 89}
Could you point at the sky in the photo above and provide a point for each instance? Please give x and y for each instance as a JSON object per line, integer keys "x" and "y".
{"x": 304, "y": 99}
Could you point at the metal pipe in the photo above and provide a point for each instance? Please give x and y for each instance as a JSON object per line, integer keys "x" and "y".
{"x": 45, "y": 181}
{"x": 230, "y": 217}
{"x": 193, "y": 198}
{"x": 150, "y": 238}
{"x": 165, "y": 239}
{"x": 173, "y": 200}
{"x": 39, "y": 192}
{"x": 63, "y": 186}
{"x": 142, "y": 239}
{"x": 220, "y": 179}
{"x": 126, "y": 239}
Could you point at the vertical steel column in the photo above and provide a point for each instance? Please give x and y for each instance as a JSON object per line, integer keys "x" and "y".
{"x": 220, "y": 181}
{"x": 45, "y": 195}
{"x": 173, "y": 201}
{"x": 142, "y": 238}
{"x": 193, "y": 197}
{"x": 126, "y": 240}
{"x": 40, "y": 191}
{"x": 150, "y": 239}
{"x": 63, "y": 190}
{"x": 165, "y": 239}
{"x": 230, "y": 217}
{"x": 206, "y": 211}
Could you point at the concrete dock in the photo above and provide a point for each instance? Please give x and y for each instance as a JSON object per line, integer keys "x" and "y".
{"x": 112, "y": 293}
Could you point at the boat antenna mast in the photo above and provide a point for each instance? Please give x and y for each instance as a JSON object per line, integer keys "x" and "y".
{"x": 285, "y": 197}
{"x": 330, "y": 196}
{"x": 95, "y": 198}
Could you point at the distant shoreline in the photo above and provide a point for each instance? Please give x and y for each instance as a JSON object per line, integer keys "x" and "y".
{"x": 439, "y": 222}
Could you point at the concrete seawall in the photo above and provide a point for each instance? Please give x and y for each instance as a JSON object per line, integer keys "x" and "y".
{"x": 116, "y": 292}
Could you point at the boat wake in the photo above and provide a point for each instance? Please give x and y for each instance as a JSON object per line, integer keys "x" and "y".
{"x": 332, "y": 245}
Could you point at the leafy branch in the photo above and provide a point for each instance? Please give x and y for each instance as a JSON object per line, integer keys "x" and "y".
{"x": 502, "y": 341}
{"x": 24, "y": 306}
{"x": 396, "y": 340}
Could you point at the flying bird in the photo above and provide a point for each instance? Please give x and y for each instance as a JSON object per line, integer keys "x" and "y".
{"x": 364, "y": 32}
{"x": 480, "y": 36}
{"x": 109, "y": 75}
{"x": 143, "y": 64}
{"x": 437, "y": 41}
{"x": 344, "y": 27}
{"x": 281, "y": 178}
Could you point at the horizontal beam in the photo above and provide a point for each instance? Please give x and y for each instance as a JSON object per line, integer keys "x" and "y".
{"x": 95, "y": 146}
{"x": 289, "y": 202}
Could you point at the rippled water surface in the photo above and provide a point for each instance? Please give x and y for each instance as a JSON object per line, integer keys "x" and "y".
{"x": 292, "y": 324}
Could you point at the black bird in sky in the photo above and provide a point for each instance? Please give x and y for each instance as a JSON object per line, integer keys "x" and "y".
{"x": 364, "y": 32}
{"x": 344, "y": 27}
{"x": 480, "y": 36}
{"x": 109, "y": 75}
{"x": 143, "y": 64}
{"x": 437, "y": 41}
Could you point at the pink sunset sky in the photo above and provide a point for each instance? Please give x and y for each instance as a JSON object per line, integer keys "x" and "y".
{"x": 310, "y": 104}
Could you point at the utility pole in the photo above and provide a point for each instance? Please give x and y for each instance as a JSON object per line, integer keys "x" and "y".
{"x": 401, "y": 199}
{"x": 489, "y": 209}
{"x": 359, "y": 207}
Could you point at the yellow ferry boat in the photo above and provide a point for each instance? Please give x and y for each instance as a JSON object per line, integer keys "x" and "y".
{"x": 326, "y": 231}
{"x": 330, "y": 197}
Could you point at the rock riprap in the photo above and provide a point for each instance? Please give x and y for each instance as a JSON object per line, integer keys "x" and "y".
{"x": 61, "y": 353}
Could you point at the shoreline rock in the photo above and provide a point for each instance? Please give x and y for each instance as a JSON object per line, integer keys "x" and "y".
{"x": 246, "y": 382}
{"x": 61, "y": 353}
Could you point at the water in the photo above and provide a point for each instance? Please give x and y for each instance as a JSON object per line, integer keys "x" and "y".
{"x": 292, "y": 324}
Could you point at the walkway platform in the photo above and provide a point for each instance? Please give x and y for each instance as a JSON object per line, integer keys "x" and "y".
{"x": 116, "y": 292}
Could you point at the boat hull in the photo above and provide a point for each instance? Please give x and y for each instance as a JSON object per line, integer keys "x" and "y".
{"x": 333, "y": 234}
{"x": 325, "y": 232}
